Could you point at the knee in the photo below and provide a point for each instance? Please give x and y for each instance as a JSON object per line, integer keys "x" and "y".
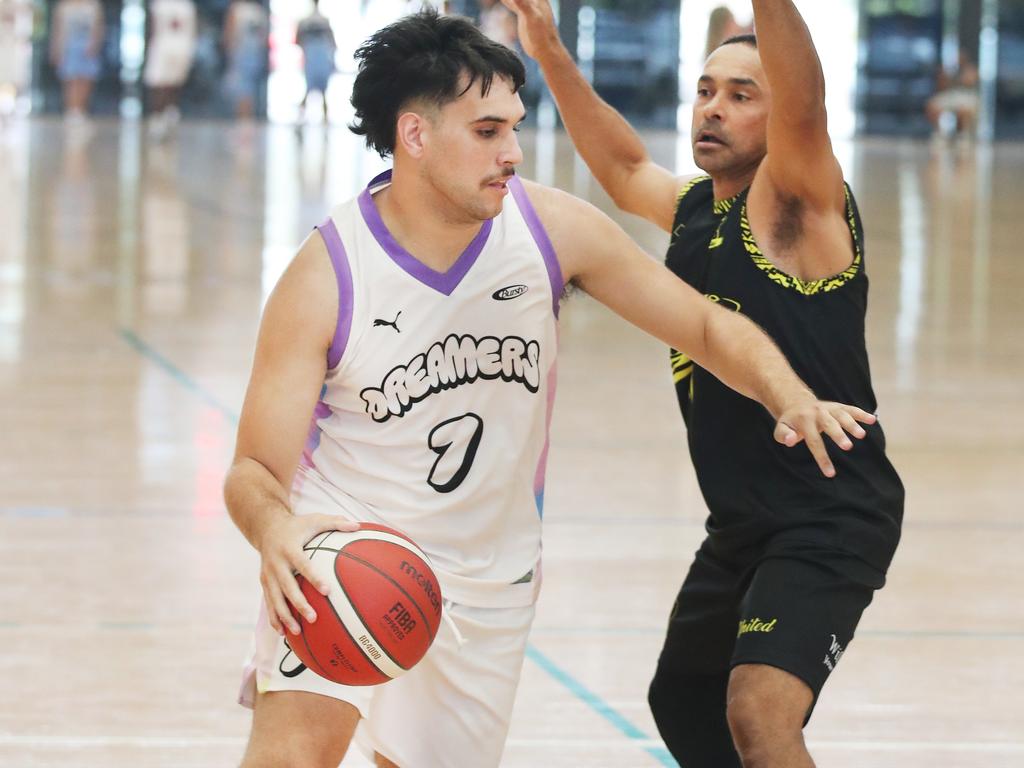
{"x": 762, "y": 723}
{"x": 750, "y": 722}
{"x": 282, "y": 758}
{"x": 291, "y": 753}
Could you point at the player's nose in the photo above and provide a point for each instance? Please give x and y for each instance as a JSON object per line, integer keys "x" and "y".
{"x": 512, "y": 153}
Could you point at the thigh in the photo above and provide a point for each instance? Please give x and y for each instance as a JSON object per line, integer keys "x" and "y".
{"x": 299, "y": 728}
{"x": 799, "y": 616}
{"x": 458, "y": 700}
{"x": 702, "y": 626}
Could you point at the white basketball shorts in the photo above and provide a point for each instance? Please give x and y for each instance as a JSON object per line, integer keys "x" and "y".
{"x": 456, "y": 702}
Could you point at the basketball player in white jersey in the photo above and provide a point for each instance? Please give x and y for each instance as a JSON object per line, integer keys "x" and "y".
{"x": 418, "y": 327}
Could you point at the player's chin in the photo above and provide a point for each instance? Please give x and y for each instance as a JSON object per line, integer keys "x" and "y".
{"x": 490, "y": 203}
{"x": 710, "y": 160}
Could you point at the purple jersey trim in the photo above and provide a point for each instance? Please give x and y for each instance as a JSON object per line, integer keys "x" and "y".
{"x": 540, "y": 236}
{"x": 343, "y": 273}
{"x": 442, "y": 282}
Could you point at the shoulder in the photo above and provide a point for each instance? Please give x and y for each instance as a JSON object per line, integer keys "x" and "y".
{"x": 562, "y": 214}
{"x": 584, "y": 238}
{"x": 693, "y": 184}
{"x": 694, "y": 190}
{"x": 305, "y": 298}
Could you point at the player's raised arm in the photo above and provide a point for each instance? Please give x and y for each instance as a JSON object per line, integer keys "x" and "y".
{"x": 288, "y": 370}
{"x": 608, "y": 265}
{"x": 607, "y": 143}
{"x": 800, "y": 161}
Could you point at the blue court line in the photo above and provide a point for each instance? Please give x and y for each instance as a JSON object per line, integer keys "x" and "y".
{"x": 176, "y": 373}
{"x": 36, "y": 512}
{"x": 592, "y": 700}
{"x": 596, "y": 703}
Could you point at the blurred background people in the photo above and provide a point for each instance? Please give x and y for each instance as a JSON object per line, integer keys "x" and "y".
{"x": 246, "y": 29}
{"x": 75, "y": 52}
{"x": 498, "y": 23}
{"x": 15, "y": 32}
{"x": 957, "y": 96}
{"x": 316, "y": 39}
{"x": 722, "y": 25}
{"x": 172, "y": 45}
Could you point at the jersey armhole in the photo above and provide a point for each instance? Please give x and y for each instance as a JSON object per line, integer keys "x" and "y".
{"x": 343, "y": 275}
{"x": 540, "y": 237}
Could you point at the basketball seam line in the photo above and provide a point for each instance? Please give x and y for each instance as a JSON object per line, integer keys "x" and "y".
{"x": 398, "y": 587}
{"x": 366, "y": 656}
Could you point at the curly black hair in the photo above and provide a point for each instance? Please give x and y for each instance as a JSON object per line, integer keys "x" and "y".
{"x": 423, "y": 56}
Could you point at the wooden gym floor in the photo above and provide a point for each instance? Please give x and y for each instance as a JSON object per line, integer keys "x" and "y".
{"x": 131, "y": 280}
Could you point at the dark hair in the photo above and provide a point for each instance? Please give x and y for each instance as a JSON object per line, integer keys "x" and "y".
{"x": 750, "y": 40}
{"x": 423, "y": 56}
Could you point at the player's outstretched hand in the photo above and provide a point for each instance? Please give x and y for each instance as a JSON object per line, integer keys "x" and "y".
{"x": 807, "y": 422}
{"x": 281, "y": 558}
{"x": 536, "y": 24}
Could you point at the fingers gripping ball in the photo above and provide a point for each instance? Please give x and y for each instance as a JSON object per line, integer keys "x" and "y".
{"x": 381, "y": 613}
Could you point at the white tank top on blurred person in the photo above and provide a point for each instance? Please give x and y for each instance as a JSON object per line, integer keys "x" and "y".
{"x": 435, "y": 410}
{"x": 174, "y": 22}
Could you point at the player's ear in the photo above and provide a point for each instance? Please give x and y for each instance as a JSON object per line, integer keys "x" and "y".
{"x": 411, "y": 133}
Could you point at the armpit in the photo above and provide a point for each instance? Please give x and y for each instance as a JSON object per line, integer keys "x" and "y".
{"x": 788, "y": 228}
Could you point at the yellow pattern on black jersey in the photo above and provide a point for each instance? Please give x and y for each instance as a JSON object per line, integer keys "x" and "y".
{"x": 717, "y": 240}
{"x": 682, "y": 366}
{"x": 679, "y": 199}
{"x": 805, "y": 287}
{"x": 722, "y": 207}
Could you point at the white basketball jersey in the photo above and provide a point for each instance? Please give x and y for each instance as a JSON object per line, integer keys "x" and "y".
{"x": 435, "y": 410}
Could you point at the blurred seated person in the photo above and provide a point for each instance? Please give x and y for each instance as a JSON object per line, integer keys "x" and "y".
{"x": 722, "y": 25}
{"x": 957, "y": 95}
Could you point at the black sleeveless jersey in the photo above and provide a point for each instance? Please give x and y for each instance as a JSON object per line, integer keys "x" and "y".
{"x": 755, "y": 487}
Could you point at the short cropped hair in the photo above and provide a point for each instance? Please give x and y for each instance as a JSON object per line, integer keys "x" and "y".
{"x": 750, "y": 40}
{"x": 423, "y": 56}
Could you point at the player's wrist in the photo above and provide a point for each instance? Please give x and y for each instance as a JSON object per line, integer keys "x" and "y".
{"x": 793, "y": 398}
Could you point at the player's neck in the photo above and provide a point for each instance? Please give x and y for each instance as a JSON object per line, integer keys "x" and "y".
{"x": 728, "y": 185}
{"x": 422, "y": 225}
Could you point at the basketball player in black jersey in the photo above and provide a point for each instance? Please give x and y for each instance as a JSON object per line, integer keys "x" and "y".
{"x": 791, "y": 558}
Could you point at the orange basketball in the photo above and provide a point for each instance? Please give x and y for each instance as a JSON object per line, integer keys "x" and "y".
{"x": 382, "y": 611}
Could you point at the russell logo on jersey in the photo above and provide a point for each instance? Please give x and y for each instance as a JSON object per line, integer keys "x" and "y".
{"x": 509, "y": 292}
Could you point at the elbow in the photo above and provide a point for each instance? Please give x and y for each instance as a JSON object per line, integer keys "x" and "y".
{"x": 235, "y": 478}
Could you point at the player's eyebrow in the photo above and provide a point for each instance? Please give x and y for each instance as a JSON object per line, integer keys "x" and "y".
{"x": 740, "y": 82}
{"x": 496, "y": 119}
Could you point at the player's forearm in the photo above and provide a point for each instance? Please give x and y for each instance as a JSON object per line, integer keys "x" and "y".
{"x": 606, "y": 142}
{"x": 790, "y": 61}
{"x": 254, "y": 499}
{"x": 743, "y": 357}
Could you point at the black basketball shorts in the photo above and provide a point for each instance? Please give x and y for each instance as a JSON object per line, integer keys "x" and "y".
{"x": 787, "y": 610}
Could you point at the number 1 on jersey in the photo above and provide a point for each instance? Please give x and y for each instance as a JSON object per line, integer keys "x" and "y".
{"x": 456, "y": 442}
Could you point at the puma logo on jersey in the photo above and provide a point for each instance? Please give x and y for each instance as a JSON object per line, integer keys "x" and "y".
{"x": 509, "y": 292}
{"x": 392, "y": 323}
{"x": 451, "y": 363}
